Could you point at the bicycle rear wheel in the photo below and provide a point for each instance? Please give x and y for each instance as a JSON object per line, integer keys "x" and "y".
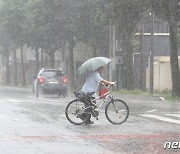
{"x": 75, "y": 112}
{"x": 117, "y": 111}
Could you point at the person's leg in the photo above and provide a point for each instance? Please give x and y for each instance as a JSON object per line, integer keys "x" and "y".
{"x": 87, "y": 104}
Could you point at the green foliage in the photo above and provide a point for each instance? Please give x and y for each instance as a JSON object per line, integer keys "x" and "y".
{"x": 43, "y": 30}
{"x": 13, "y": 20}
{"x": 128, "y": 12}
{"x": 166, "y": 94}
{"x": 130, "y": 92}
{"x": 134, "y": 43}
{"x": 125, "y": 15}
{"x": 164, "y": 9}
{"x": 52, "y": 22}
{"x": 46, "y": 23}
{"x": 93, "y": 24}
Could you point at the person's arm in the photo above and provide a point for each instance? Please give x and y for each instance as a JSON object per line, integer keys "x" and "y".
{"x": 106, "y": 82}
{"x": 101, "y": 81}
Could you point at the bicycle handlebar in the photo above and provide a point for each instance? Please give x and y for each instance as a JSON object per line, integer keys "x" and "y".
{"x": 110, "y": 85}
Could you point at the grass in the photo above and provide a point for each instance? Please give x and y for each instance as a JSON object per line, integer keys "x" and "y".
{"x": 130, "y": 92}
{"x": 166, "y": 94}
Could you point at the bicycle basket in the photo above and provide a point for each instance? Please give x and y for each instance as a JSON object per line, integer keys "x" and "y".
{"x": 102, "y": 93}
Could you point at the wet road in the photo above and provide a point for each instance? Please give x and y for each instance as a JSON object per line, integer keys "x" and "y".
{"x": 30, "y": 125}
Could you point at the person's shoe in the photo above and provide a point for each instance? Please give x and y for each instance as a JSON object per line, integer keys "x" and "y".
{"x": 89, "y": 122}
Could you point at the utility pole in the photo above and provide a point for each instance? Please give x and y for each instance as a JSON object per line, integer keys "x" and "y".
{"x": 110, "y": 49}
{"x": 113, "y": 47}
{"x": 151, "y": 86}
{"x": 142, "y": 56}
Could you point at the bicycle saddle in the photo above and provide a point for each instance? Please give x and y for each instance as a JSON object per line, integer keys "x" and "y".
{"x": 90, "y": 93}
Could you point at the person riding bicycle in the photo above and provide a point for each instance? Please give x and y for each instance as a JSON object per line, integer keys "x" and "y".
{"x": 92, "y": 84}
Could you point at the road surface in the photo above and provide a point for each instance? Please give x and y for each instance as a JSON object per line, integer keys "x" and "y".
{"x": 39, "y": 126}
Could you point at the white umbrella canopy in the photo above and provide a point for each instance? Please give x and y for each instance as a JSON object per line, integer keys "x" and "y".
{"x": 92, "y": 64}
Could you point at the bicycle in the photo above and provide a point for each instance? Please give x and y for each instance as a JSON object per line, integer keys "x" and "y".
{"x": 77, "y": 111}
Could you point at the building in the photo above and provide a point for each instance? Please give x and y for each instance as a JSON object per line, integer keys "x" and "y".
{"x": 162, "y": 74}
{"x": 161, "y": 52}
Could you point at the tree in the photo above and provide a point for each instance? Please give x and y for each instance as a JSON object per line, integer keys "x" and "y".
{"x": 126, "y": 15}
{"x": 169, "y": 10}
{"x": 52, "y": 23}
{"x": 5, "y": 51}
{"x": 43, "y": 30}
{"x": 93, "y": 24}
{"x": 13, "y": 21}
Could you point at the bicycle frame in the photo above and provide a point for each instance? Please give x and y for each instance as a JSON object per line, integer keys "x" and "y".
{"x": 104, "y": 100}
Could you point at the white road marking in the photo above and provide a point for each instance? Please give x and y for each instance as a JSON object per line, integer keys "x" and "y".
{"x": 13, "y": 100}
{"x": 15, "y": 119}
{"x": 151, "y": 111}
{"x": 174, "y": 115}
{"x": 10, "y": 100}
{"x": 161, "y": 118}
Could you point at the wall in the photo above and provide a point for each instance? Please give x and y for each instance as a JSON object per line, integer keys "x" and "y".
{"x": 162, "y": 74}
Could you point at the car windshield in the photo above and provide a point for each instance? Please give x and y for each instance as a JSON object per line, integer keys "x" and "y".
{"x": 51, "y": 74}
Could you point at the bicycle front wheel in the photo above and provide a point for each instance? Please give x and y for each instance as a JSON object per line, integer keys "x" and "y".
{"x": 75, "y": 112}
{"x": 117, "y": 111}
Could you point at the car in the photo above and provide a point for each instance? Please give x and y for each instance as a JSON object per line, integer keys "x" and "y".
{"x": 50, "y": 81}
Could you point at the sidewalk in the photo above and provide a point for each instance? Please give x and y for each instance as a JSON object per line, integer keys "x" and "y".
{"x": 15, "y": 89}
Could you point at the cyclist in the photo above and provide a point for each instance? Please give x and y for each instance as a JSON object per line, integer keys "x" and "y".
{"x": 92, "y": 84}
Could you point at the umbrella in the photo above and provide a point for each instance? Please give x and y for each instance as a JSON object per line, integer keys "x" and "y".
{"x": 92, "y": 64}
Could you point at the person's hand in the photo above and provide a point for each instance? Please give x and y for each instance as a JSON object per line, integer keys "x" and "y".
{"x": 102, "y": 84}
{"x": 112, "y": 83}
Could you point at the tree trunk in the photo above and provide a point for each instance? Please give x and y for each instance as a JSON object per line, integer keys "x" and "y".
{"x": 42, "y": 58}
{"x": 175, "y": 73}
{"x": 52, "y": 60}
{"x": 142, "y": 78}
{"x": 64, "y": 56}
{"x": 129, "y": 61}
{"x": 124, "y": 55}
{"x": 7, "y": 70}
{"x": 71, "y": 74}
{"x": 15, "y": 69}
{"x": 37, "y": 61}
{"x": 22, "y": 67}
